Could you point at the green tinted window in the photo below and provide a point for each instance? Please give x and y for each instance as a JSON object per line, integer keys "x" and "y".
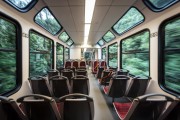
{"x": 113, "y": 55}
{"x": 8, "y": 54}
{"x": 69, "y": 42}
{"x": 104, "y": 53}
{"x": 22, "y": 5}
{"x": 131, "y": 19}
{"x": 64, "y": 36}
{"x": 108, "y": 36}
{"x": 46, "y": 20}
{"x": 41, "y": 54}
{"x": 67, "y": 53}
{"x": 101, "y": 42}
{"x": 172, "y": 54}
{"x": 59, "y": 55}
{"x": 135, "y": 54}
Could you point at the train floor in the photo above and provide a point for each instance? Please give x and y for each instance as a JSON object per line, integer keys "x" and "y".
{"x": 103, "y": 104}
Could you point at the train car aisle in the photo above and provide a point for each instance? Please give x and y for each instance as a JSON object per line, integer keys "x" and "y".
{"x": 102, "y": 111}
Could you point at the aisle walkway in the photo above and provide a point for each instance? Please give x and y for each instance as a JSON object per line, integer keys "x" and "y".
{"x": 102, "y": 111}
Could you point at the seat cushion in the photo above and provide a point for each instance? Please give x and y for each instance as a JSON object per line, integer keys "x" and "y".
{"x": 121, "y": 109}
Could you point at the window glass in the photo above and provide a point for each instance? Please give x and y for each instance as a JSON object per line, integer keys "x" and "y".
{"x": 46, "y": 20}
{"x": 113, "y": 55}
{"x": 64, "y": 36}
{"x": 67, "y": 53}
{"x": 59, "y": 55}
{"x": 41, "y": 54}
{"x": 104, "y": 53}
{"x": 22, "y": 5}
{"x": 161, "y": 3}
{"x": 130, "y": 19}
{"x": 171, "y": 55}
{"x": 101, "y": 42}
{"x": 8, "y": 54}
{"x": 108, "y": 36}
{"x": 135, "y": 53}
{"x": 69, "y": 42}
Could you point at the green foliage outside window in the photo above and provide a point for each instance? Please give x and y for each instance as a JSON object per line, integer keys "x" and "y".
{"x": 113, "y": 55}
{"x": 104, "y": 53}
{"x": 45, "y": 19}
{"x": 132, "y": 18}
{"x": 172, "y": 55}
{"x": 161, "y": 3}
{"x": 101, "y": 42}
{"x": 108, "y": 36}
{"x": 41, "y": 56}
{"x": 135, "y": 54}
{"x": 66, "y": 53}
{"x": 59, "y": 55}
{"x": 64, "y": 36}
{"x": 7, "y": 56}
{"x": 69, "y": 42}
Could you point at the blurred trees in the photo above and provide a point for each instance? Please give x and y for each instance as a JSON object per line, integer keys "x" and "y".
{"x": 59, "y": 55}
{"x": 112, "y": 55}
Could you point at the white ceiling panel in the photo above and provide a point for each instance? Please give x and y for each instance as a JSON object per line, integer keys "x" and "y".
{"x": 103, "y": 2}
{"x": 76, "y": 2}
{"x": 114, "y": 13}
{"x": 123, "y": 2}
{"x": 63, "y": 14}
{"x": 56, "y": 2}
{"x": 40, "y": 5}
{"x": 140, "y": 5}
{"x": 77, "y": 37}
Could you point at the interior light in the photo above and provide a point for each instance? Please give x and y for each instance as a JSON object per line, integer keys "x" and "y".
{"x": 86, "y": 29}
{"x": 89, "y": 9}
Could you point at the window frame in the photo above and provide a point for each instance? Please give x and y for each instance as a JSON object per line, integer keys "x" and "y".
{"x": 130, "y": 28}
{"x": 61, "y": 39}
{"x": 54, "y": 18}
{"x": 68, "y": 52}
{"x": 42, "y": 35}
{"x": 108, "y": 53}
{"x": 161, "y": 47}
{"x": 102, "y": 52}
{"x": 111, "y": 39}
{"x": 156, "y": 9}
{"x": 141, "y": 31}
{"x": 71, "y": 40}
{"x": 63, "y": 52}
{"x": 25, "y": 9}
{"x": 18, "y": 52}
{"x": 103, "y": 41}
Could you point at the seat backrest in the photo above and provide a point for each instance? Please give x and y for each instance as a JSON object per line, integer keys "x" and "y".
{"x": 67, "y": 73}
{"x": 77, "y": 107}
{"x": 43, "y": 108}
{"x": 40, "y": 85}
{"x": 81, "y": 72}
{"x": 82, "y": 64}
{"x": 99, "y": 72}
{"x": 117, "y": 86}
{"x": 106, "y": 76}
{"x": 145, "y": 108}
{"x": 122, "y": 72}
{"x": 80, "y": 84}
{"x": 137, "y": 86}
{"x": 60, "y": 85}
{"x": 95, "y": 65}
{"x": 103, "y": 64}
{"x": 60, "y": 69}
{"x": 9, "y": 110}
{"x": 52, "y": 73}
{"x": 67, "y": 64}
{"x": 75, "y": 64}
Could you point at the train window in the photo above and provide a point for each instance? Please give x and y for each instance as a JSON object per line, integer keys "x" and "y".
{"x": 104, "y": 53}
{"x": 112, "y": 55}
{"x": 129, "y": 20}
{"x": 135, "y": 53}
{"x": 64, "y": 37}
{"x": 109, "y": 36}
{"x": 22, "y": 5}
{"x": 70, "y": 42}
{"x": 10, "y": 55}
{"x": 101, "y": 42}
{"x": 169, "y": 58}
{"x": 159, "y": 5}
{"x": 41, "y": 54}
{"x": 59, "y": 55}
{"x": 67, "y": 53}
{"x": 46, "y": 19}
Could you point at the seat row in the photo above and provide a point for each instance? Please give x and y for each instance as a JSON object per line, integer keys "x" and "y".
{"x": 75, "y": 64}
{"x": 98, "y": 64}
{"x": 58, "y": 86}
{"x": 40, "y": 107}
